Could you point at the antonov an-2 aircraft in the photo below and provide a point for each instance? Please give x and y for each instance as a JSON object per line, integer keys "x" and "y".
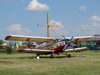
{"x": 52, "y": 45}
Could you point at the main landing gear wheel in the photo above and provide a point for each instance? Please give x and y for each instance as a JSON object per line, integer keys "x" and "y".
{"x": 37, "y": 57}
{"x": 68, "y": 55}
{"x": 51, "y": 56}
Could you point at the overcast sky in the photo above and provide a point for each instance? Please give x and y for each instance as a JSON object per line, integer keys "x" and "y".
{"x": 76, "y": 17}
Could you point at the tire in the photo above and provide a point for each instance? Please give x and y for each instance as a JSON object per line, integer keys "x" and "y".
{"x": 68, "y": 55}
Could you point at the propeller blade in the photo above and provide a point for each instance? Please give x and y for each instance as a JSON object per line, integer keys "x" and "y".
{"x": 64, "y": 37}
{"x": 71, "y": 38}
{"x": 68, "y": 42}
{"x": 65, "y": 46}
{"x": 71, "y": 46}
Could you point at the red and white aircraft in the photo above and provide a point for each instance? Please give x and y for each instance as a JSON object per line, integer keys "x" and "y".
{"x": 52, "y": 45}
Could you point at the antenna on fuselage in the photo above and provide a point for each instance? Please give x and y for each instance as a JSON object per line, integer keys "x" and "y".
{"x": 48, "y": 25}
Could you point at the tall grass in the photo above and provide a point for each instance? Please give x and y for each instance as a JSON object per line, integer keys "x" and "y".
{"x": 82, "y": 63}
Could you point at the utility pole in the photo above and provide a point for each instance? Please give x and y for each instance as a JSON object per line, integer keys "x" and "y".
{"x": 48, "y": 25}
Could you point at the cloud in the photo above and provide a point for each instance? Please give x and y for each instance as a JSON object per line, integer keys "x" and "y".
{"x": 57, "y": 31}
{"x": 82, "y": 8}
{"x": 15, "y": 27}
{"x": 18, "y": 29}
{"x": 53, "y": 22}
{"x": 95, "y": 18}
{"x": 92, "y": 27}
{"x": 35, "y": 5}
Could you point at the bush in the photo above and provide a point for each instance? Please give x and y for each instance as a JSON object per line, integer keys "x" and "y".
{"x": 1, "y": 47}
{"x": 9, "y": 50}
{"x": 1, "y": 42}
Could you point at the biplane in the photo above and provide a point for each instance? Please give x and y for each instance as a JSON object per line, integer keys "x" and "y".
{"x": 49, "y": 45}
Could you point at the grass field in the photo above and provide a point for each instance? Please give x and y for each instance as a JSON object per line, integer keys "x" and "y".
{"x": 82, "y": 63}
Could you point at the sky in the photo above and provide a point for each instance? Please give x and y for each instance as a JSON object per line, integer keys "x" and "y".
{"x": 75, "y": 17}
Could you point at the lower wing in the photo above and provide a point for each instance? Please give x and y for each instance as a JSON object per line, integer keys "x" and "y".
{"x": 76, "y": 49}
{"x": 35, "y": 51}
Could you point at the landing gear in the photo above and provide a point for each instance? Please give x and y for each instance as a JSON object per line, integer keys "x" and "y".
{"x": 37, "y": 57}
{"x": 68, "y": 55}
{"x": 51, "y": 56}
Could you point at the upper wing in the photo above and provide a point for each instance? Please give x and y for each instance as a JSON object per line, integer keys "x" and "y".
{"x": 29, "y": 38}
{"x": 82, "y": 38}
{"x": 41, "y": 39}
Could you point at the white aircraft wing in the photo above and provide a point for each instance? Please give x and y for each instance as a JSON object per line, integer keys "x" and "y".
{"x": 35, "y": 51}
{"x": 81, "y": 38}
{"x": 29, "y": 38}
{"x": 41, "y": 39}
{"x": 48, "y": 51}
{"x": 76, "y": 49}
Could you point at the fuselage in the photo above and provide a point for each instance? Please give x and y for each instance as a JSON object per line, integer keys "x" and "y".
{"x": 56, "y": 47}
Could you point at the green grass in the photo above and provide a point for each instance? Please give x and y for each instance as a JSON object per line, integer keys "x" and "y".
{"x": 82, "y": 63}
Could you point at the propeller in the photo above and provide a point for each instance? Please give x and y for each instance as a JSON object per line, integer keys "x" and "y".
{"x": 67, "y": 41}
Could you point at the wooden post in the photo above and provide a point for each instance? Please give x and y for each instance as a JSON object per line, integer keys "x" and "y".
{"x": 48, "y": 25}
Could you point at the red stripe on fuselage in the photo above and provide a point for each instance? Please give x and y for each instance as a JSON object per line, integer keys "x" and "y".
{"x": 59, "y": 49}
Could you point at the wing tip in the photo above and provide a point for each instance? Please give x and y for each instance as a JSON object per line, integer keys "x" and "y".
{"x": 7, "y": 37}
{"x": 21, "y": 50}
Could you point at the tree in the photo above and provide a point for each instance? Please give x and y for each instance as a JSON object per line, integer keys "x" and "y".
{"x": 1, "y": 42}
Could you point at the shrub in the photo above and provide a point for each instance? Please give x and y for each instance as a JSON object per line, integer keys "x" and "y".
{"x": 9, "y": 50}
